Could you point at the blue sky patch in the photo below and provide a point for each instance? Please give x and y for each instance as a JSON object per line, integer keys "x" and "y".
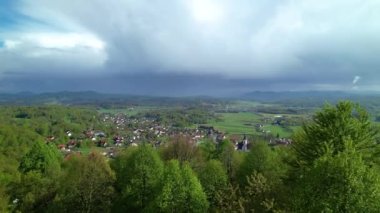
{"x": 12, "y": 20}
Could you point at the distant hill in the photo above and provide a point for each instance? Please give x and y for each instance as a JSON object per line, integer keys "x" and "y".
{"x": 312, "y": 98}
{"x": 98, "y": 99}
{"x": 305, "y": 99}
{"x": 287, "y": 95}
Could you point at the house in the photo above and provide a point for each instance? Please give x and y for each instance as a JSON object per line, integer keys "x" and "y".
{"x": 118, "y": 140}
{"x": 100, "y": 134}
{"x": 102, "y": 143}
{"x": 243, "y": 145}
{"x": 280, "y": 141}
{"x": 72, "y": 144}
{"x": 62, "y": 147}
{"x": 157, "y": 144}
{"x": 89, "y": 133}
{"x": 50, "y": 139}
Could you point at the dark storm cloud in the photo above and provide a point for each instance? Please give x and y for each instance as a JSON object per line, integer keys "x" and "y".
{"x": 193, "y": 46}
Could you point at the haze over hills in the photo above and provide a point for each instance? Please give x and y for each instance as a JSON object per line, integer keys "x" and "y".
{"x": 92, "y": 98}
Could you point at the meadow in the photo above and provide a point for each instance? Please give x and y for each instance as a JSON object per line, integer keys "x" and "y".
{"x": 247, "y": 123}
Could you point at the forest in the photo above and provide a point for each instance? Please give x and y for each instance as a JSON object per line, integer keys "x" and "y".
{"x": 332, "y": 165}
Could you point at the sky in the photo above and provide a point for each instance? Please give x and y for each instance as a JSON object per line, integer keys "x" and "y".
{"x": 189, "y": 47}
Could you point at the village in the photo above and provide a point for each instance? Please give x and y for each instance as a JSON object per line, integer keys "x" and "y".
{"x": 124, "y": 131}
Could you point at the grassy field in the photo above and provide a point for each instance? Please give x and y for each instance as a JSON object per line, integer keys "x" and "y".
{"x": 282, "y": 132}
{"x": 130, "y": 111}
{"x": 242, "y": 106}
{"x": 236, "y": 123}
{"x": 245, "y": 123}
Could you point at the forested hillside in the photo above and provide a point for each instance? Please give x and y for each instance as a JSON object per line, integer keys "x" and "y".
{"x": 332, "y": 165}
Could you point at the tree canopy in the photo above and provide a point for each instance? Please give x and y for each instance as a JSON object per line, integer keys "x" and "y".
{"x": 330, "y": 128}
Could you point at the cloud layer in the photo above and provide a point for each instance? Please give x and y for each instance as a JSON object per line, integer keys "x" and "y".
{"x": 293, "y": 44}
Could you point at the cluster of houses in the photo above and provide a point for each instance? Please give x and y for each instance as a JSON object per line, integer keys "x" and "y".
{"x": 132, "y": 131}
{"x": 280, "y": 141}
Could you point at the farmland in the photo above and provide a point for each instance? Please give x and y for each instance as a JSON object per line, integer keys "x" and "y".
{"x": 251, "y": 123}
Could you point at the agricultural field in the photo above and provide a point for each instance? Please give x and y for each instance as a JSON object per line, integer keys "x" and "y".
{"x": 131, "y": 111}
{"x": 252, "y": 123}
{"x": 236, "y": 123}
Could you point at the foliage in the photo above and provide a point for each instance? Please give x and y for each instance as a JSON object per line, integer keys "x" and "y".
{"x": 139, "y": 174}
{"x": 332, "y": 166}
{"x": 41, "y": 158}
{"x": 265, "y": 160}
{"x": 4, "y": 199}
{"x": 172, "y": 193}
{"x": 39, "y": 169}
{"x": 181, "y": 149}
{"x": 229, "y": 200}
{"x": 231, "y": 161}
{"x": 330, "y": 128}
{"x": 34, "y": 192}
{"x": 259, "y": 194}
{"x": 86, "y": 185}
{"x": 338, "y": 182}
{"x": 181, "y": 190}
{"x": 195, "y": 198}
{"x": 213, "y": 178}
{"x": 208, "y": 149}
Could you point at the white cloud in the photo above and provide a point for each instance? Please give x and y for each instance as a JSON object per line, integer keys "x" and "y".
{"x": 52, "y": 51}
{"x": 65, "y": 41}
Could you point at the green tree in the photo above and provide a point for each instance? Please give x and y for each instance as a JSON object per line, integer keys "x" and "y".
{"x": 35, "y": 192}
{"x": 180, "y": 148}
{"x": 330, "y": 128}
{"x": 181, "y": 190}
{"x": 338, "y": 182}
{"x": 265, "y": 160}
{"x": 120, "y": 165}
{"x": 4, "y": 199}
{"x": 172, "y": 193}
{"x": 40, "y": 168}
{"x": 41, "y": 158}
{"x": 231, "y": 160}
{"x": 208, "y": 149}
{"x": 259, "y": 194}
{"x": 230, "y": 200}
{"x": 195, "y": 199}
{"x": 86, "y": 185}
{"x": 140, "y": 177}
{"x": 213, "y": 178}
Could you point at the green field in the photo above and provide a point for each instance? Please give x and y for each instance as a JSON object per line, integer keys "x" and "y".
{"x": 274, "y": 130}
{"x": 130, "y": 111}
{"x": 242, "y": 106}
{"x": 245, "y": 122}
{"x": 236, "y": 123}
